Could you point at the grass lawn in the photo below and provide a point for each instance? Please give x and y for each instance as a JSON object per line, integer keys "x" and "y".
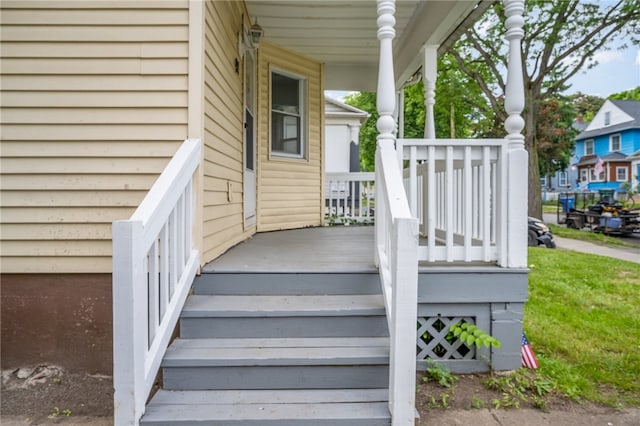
{"x": 585, "y": 235}
{"x": 583, "y": 320}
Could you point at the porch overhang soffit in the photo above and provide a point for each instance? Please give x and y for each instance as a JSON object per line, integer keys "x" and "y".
{"x": 342, "y": 34}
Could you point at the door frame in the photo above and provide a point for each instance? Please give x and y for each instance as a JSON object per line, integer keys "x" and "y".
{"x": 249, "y": 175}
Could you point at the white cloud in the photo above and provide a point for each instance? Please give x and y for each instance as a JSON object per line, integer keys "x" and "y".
{"x": 606, "y": 56}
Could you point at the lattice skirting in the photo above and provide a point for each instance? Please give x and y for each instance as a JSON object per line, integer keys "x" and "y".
{"x": 437, "y": 343}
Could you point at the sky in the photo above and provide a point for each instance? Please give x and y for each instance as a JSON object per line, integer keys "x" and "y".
{"x": 617, "y": 70}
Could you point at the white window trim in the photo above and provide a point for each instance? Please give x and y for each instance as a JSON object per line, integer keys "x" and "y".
{"x": 626, "y": 173}
{"x": 593, "y": 147}
{"x": 543, "y": 181}
{"x": 584, "y": 175}
{"x": 562, "y": 178}
{"x": 592, "y": 174}
{"x": 611, "y": 142}
{"x": 607, "y": 118}
{"x": 304, "y": 108}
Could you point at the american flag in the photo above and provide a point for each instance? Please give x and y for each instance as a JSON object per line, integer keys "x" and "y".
{"x": 599, "y": 168}
{"x": 528, "y": 357}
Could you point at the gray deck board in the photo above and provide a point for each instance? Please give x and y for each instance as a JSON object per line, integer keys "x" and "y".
{"x": 261, "y": 306}
{"x": 322, "y": 249}
{"x": 333, "y": 342}
{"x": 298, "y": 396}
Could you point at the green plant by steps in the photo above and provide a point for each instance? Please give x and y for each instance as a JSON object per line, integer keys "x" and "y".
{"x": 520, "y": 386}
{"x": 440, "y": 374}
{"x": 57, "y": 413}
{"x": 471, "y": 334}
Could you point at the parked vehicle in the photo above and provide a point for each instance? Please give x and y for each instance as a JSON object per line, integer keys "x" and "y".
{"x": 598, "y": 212}
{"x": 540, "y": 234}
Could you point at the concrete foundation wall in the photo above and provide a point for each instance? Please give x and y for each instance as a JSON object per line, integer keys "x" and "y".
{"x": 59, "y": 319}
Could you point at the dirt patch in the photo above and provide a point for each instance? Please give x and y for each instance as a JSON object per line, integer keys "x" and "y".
{"x": 49, "y": 395}
{"x": 501, "y": 397}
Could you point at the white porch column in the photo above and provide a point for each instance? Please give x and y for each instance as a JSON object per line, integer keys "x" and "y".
{"x": 517, "y": 161}
{"x": 355, "y": 132}
{"x": 430, "y": 74}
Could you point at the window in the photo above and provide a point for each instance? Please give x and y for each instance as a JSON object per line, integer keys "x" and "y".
{"x": 621, "y": 174}
{"x": 584, "y": 175}
{"x": 543, "y": 181}
{"x": 562, "y": 179}
{"x": 607, "y": 118}
{"x": 595, "y": 178}
{"x": 614, "y": 143}
{"x": 287, "y": 115}
{"x": 588, "y": 147}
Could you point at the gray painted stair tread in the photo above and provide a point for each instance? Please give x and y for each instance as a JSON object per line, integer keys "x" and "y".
{"x": 260, "y": 306}
{"x": 303, "y": 342}
{"x": 285, "y": 414}
{"x": 298, "y": 396}
{"x": 266, "y": 356}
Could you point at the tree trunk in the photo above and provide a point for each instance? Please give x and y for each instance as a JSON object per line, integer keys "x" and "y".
{"x": 535, "y": 194}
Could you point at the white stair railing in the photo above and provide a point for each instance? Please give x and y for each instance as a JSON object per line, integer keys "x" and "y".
{"x": 154, "y": 264}
{"x": 396, "y": 236}
{"x": 457, "y": 189}
{"x": 349, "y": 197}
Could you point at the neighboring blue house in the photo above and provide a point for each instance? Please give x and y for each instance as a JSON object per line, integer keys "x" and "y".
{"x": 608, "y": 148}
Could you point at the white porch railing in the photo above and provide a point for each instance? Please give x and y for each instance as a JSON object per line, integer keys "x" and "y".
{"x": 457, "y": 190}
{"x": 154, "y": 264}
{"x": 349, "y": 197}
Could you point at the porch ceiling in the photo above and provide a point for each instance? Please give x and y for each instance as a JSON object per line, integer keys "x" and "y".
{"x": 342, "y": 34}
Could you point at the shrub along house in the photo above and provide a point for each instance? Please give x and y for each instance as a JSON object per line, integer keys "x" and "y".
{"x": 143, "y": 140}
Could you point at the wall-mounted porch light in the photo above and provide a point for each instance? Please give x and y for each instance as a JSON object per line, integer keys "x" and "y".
{"x": 249, "y": 38}
{"x": 255, "y": 33}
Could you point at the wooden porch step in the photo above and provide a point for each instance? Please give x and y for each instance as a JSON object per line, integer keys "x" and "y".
{"x": 284, "y": 316}
{"x": 308, "y": 407}
{"x": 293, "y": 283}
{"x": 276, "y": 363}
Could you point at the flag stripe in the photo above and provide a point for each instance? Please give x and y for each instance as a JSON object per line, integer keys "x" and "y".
{"x": 528, "y": 357}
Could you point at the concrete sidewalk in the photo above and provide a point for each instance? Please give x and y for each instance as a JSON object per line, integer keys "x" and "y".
{"x": 622, "y": 253}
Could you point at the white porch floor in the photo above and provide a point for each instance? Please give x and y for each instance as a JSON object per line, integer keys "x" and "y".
{"x": 321, "y": 249}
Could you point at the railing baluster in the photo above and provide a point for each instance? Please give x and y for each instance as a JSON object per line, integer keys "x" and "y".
{"x": 154, "y": 296}
{"x": 449, "y": 203}
{"x": 164, "y": 269}
{"x": 468, "y": 207}
{"x": 413, "y": 185}
{"x": 486, "y": 207}
{"x": 431, "y": 203}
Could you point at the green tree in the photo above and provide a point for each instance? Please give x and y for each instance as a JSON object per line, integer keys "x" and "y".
{"x": 585, "y": 106}
{"x": 627, "y": 95}
{"x": 561, "y": 38}
{"x": 366, "y": 101}
{"x": 555, "y": 134}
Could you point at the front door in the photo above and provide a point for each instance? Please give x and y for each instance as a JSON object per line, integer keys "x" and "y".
{"x": 249, "y": 139}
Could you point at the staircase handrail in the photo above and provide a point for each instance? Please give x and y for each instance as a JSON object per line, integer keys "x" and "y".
{"x": 154, "y": 264}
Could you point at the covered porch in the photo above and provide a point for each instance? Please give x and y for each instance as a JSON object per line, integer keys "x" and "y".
{"x": 465, "y": 200}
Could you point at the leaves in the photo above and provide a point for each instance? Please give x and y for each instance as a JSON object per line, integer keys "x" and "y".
{"x": 471, "y": 334}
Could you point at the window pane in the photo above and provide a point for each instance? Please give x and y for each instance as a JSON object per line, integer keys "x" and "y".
{"x": 287, "y": 129}
{"x": 615, "y": 143}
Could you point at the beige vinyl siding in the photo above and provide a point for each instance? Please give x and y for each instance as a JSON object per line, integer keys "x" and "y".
{"x": 94, "y": 104}
{"x": 289, "y": 190}
{"x": 223, "y": 215}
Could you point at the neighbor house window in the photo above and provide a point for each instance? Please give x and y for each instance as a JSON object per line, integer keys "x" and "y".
{"x": 562, "y": 178}
{"x": 607, "y": 118}
{"x": 543, "y": 181}
{"x": 621, "y": 174}
{"x": 584, "y": 175}
{"x": 287, "y": 115}
{"x": 614, "y": 143}
{"x": 588, "y": 147}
